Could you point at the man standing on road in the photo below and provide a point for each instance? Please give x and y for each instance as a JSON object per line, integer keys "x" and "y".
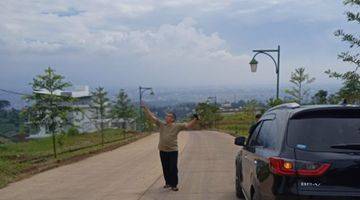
{"x": 253, "y": 127}
{"x": 168, "y": 146}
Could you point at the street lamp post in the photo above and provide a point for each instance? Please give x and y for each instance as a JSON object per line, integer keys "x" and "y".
{"x": 253, "y": 64}
{"x": 142, "y": 90}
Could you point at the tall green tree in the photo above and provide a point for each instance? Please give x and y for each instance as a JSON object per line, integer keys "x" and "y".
{"x": 99, "y": 106}
{"x": 320, "y": 97}
{"x": 122, "y": 107}
{"x": 350, "y": 89}
{"x": 49, "y": 109}
{"x": 300, "y": 80}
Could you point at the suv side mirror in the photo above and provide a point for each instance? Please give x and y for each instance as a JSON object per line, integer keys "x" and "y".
{"x": 240, "y": 141}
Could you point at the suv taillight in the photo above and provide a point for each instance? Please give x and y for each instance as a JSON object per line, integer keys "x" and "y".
{"x": 287, "y": 167}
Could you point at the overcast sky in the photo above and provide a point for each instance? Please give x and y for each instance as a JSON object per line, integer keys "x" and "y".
{"x": 167, "y": 43}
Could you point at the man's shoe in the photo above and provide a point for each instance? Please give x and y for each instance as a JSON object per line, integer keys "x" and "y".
{"x": 174, "y": 189}
{"x": 166, "y": 186}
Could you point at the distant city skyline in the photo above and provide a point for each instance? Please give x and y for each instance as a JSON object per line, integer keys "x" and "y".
{"x": 173, "y": 96}
{"x": 168, "y": 43}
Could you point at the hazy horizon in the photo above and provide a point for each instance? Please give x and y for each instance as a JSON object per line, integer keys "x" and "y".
{"x": 168, "y": 96}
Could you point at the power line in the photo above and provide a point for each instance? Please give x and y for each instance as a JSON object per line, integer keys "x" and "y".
{"x": 13, "y": 92}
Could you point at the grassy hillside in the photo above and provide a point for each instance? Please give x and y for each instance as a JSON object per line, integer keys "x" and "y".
{"x": 237, "y": 124}
{"x": 18, "y": 160}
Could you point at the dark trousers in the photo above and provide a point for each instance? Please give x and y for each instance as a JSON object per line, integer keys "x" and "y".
{"x": 169, "y": 165}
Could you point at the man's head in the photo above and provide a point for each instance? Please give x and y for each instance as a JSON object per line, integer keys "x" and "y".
{"x": 257, "y": 117}
{"x": 170, "y": 117}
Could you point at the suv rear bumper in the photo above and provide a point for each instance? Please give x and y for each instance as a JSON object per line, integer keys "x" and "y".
{"x": 328, "y": 198}
{"x": 343, "y": 194}
{"x": 315, "y": 198}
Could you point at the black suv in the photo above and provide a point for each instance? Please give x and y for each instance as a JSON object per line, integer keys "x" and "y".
{"x": 301, "y": 152}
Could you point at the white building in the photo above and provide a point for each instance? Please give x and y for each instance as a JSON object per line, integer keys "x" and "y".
{"x": 85, "y": 121}
{"x": 227, "y": 107}
{"x": 82, "y": 120}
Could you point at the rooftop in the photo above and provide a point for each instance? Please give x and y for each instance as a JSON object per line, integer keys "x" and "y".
{"x": 77, "y": 92}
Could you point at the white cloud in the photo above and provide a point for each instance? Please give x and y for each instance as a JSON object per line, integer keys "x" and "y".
{"x": 202, "y": 5}
{"x": 153, "y": 34}
{"x": 97, "y": 25}
{"x": 92, "y": 31}
{"x": 265, "y": 11}
{"x": 62, "y": 28}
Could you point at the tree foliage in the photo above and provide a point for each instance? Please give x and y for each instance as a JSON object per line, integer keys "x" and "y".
{"x": 320, "y": 97}
{"x": 272, "y": 102}
{"x": 209, "y": 114}
{"x": 99, "y": 106}
{"x": 122, "y": 107}
{"x": 49, "y": 109}
{"x": 351, "y": 79}
{"x": 253, "y": 107}
{"x": 10, "y": 119}
{"x": 350, "y": 89}
{"x": 333, "y": 99}
{"x": 299, "y": 91}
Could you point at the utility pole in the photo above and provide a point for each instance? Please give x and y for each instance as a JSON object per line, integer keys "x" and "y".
{"x": 141, "y": 93}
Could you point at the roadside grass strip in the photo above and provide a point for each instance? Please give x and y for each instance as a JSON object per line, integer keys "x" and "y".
{"x": 23, "y": 159}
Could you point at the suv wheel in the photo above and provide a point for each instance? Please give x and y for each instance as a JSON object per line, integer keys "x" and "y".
{"x": 239, "y": 192}
{"x": 256, "y": 196}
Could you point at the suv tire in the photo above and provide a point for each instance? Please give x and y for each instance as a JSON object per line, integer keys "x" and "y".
{"x": 239, "y": 192}
{"x": 256, "y": 196}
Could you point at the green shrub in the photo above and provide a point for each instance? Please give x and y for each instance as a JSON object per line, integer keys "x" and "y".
{"x": 61, "y": 139}
{"x": 73, "y": 131}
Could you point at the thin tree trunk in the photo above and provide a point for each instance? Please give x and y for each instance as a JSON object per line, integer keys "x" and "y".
{"x": 102, "y": 134}
{"x": 54, "y": 143}
{"x": 123, "y": 128}
{"x": 300, "y": 93}
{"x": 52, "y": 123}
{"x": 102, "y": 125}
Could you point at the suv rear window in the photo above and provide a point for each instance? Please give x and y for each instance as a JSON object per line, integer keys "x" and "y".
{"x": 319, "y": 134}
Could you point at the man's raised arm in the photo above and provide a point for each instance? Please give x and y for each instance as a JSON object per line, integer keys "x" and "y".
{"x": 193, "y": 122}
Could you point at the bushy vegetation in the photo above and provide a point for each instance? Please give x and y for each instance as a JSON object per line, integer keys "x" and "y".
{"x": 10, "y": 119}
{"x": 73, "y": 131}
{"x": 237, "y": 124}
{"x": 209, "y": 115}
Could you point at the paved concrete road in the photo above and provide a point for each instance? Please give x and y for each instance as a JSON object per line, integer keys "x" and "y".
{"x": 206, "y": 171}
